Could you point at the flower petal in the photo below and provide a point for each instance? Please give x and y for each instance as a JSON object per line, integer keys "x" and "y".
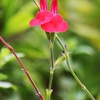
{"x": 62, "y": 27}
{"x": 43, "y": 4}
{"x": 41, "y": 18}
{"x": 57, "y": 24}
{"x": 54, "y": 6}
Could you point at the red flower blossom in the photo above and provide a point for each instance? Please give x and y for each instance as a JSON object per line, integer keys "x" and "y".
{"x": 43, "y": 16}
{"x": 49, "y": 21}
{"x": 57, "y": 24}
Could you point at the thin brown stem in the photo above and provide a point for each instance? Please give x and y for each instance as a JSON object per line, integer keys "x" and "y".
{"x": 23, "y": 68}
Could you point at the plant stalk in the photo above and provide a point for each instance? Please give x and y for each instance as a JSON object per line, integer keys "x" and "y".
{"x": 71, "y": 70}
{"x": 23, "y": 68}
{"x": 36, "y": 4}
{"x": 51, "y": 44}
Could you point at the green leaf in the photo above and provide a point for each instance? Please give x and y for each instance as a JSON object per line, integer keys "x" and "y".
{"x": 3, "y": 76}
{"x": 19, "y": 22}
{"x": 59, "y": 60}
{"x": 8, "y": 7}
{"x": 4, "y": 52}
{"x": 83, "y": 49}
{"x": 88, "y": 32}
{"x": 98, "y": 98}
{"x": 7, "y": 56}
{"x": 7, "y": 85}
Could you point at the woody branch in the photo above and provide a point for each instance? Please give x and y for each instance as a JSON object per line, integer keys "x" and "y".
{"x": 23, "y": 68}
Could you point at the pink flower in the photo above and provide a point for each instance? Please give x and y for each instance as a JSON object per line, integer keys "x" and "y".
{"x": 49, "y": 21}
{"x": 43, "y": 16}
{"x": 57, "y": 24}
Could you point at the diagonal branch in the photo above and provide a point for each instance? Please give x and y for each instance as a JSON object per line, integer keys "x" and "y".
{"x": 23, "y": 68}
{"x": 71, "y": 70}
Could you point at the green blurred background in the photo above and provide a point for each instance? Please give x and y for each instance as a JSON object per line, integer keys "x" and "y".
{"x": 31, "y": 45}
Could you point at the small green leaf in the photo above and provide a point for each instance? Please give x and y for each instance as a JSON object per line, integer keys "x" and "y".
{"x": 48, "y": 92}
{"x": 7, "y": 56}
{"x": 4, "y": 52}
{"x": 3, "y": 76}
{"x": 59, "y": 60}
{"x": 7, "y": 85}
{"x": 83, "y": 49}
